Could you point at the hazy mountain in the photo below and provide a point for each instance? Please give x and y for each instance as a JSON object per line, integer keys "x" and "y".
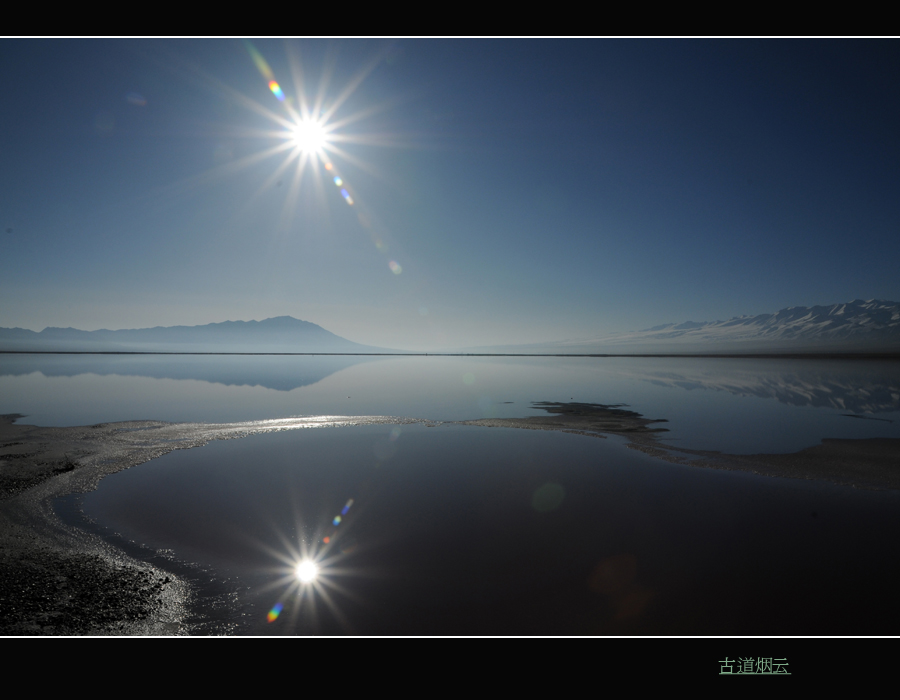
{"x": 857, "y": 326}
{"x": 281, "y": 334}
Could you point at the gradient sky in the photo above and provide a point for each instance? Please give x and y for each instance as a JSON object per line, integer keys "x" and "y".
{"x": 524, "y": 190}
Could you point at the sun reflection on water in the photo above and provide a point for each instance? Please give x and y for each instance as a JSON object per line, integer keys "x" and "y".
{"x": 306, "y": 578}
{"x": 307, "y": 571}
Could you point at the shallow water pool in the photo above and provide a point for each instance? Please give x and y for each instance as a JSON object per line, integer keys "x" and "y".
{"x": 470, "y": 530}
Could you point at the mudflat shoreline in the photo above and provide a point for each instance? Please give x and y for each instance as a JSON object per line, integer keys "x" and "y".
{"x": 872, "y": 463}
{"x": 58, "y": 580}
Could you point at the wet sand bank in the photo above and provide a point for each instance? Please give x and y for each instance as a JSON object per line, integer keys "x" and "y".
{"x": 869, "y": 463}
{"x": 60, "y": 580}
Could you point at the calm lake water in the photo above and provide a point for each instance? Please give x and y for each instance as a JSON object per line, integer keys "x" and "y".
{"x": 468, "y": 530}
{"x": 733, "y": 405}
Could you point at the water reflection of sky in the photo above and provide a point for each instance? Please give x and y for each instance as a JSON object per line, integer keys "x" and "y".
{"x": 466, "y": 530}
{"x": 724, "y": 404}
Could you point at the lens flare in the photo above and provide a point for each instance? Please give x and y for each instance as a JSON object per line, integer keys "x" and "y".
{"x": 344, "y": 193}
{"x": 548, "y": 497}
{"x": 261, "y": 65}
{"x": 395, "y": 267}
{"x": 274, "y": 612}
{"x": 276, "y": 90}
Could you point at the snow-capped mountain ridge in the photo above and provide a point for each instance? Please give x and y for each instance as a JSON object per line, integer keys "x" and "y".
{"x": 858, "y": 313}
{"x": 871, "y": 325}
{"x": 872, "y": 321}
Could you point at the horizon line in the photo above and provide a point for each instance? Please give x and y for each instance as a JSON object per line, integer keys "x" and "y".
{"x": 893, "y": 355}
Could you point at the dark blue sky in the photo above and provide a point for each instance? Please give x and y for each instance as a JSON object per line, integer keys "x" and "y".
{"x": 503, "y": 190}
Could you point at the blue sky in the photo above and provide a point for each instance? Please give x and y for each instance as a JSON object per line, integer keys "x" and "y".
{"x": 504, "y": 191}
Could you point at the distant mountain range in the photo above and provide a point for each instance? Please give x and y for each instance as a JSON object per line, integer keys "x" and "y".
{"x": 281, "y": 334}
{"x": 857, "y": 326}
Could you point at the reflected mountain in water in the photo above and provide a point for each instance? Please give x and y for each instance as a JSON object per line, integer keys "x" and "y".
{"x": 860, "y": 386}
{"x": 282, "y": 373}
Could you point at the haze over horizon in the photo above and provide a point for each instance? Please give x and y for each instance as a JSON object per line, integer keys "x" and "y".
{"x": 492, "y": 192}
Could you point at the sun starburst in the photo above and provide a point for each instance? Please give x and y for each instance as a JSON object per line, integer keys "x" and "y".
{"x": 309, "y": 136}
{"x": 310, "y": 132}
{"x": 307, "y": 571}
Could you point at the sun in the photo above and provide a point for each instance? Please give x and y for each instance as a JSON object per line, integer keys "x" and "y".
{"x": 309, "y": 136}
{"x": 307, "y": 571}
{"x": 310, "y": 128}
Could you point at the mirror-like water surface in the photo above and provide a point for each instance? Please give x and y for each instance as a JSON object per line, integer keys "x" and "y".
{"x": 467, "y": 530}
{"x": 457, "y": 529}
{"x": 733, "y": 405}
